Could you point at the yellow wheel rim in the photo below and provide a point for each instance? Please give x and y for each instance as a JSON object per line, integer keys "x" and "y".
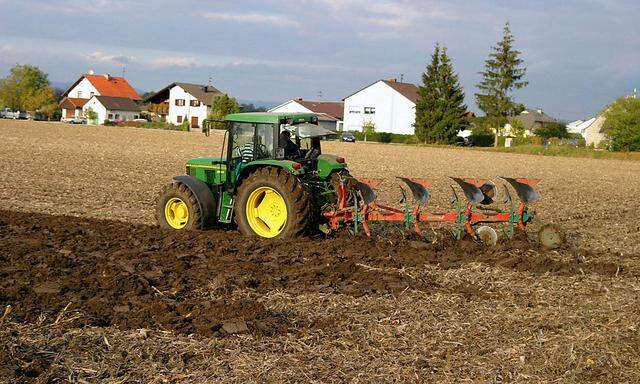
{"x": 176, "y": 213}
{"x": 266, "y": 212}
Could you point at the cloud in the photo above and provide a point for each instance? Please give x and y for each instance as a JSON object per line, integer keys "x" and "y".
{"x": 273, "y": 19}
{"x": 174, "y": 61}
{"x": 388, "y": 14}
{"x": 81, "y": 6}
{"x": 105, "y": 58}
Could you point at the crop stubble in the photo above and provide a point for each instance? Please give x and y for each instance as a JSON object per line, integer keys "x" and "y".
{"x": 150, "y": 305}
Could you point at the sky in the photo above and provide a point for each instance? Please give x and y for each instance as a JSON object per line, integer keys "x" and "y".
{"x": 581, "y": 55}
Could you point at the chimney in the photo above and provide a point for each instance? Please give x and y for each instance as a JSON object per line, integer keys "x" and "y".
{"x": 540, "y": 111}
{"x": 392, "y": 79}
{"x": 107, "y": 76}
{"x": 299, "y": 99}
{"x": 91, "y": 72}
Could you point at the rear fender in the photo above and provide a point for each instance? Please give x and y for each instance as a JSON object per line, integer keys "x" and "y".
{"x": 287, "y": 165}
{"x": 203, "y": 195}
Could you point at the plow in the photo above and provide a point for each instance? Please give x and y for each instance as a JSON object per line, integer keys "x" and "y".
{"x": 357, "y": 207}
{"x": 273, "y": 181}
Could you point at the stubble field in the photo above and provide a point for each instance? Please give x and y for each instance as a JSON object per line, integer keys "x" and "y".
{"x": 102, "y": 295}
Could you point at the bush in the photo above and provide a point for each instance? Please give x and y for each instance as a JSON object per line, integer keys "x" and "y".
{"x": 549, "y": 130}
{"x": 184, "y": 126}
{"x": 482, "y": 139}
{"x": 110, "y": 123}
{"x": 528, "y": 140}
{"x": 622, "y": 125}
{"x": 386, "y": 137}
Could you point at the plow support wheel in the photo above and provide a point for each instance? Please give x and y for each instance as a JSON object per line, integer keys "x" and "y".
{"x": 523, "y": 188}
{"x": 418, "y": 189}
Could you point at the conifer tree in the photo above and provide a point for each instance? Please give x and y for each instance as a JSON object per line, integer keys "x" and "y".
{"x": 504, "y": 72}
{"x": 440, "y": 110}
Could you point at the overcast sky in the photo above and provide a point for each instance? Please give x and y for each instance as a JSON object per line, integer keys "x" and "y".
{"x": 581, "y": 54}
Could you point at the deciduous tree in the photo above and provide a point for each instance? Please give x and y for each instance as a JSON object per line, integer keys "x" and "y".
{"x": 26, "y": 88}
{"x": 222, "y": 106}
{"x": 622, "y": 124}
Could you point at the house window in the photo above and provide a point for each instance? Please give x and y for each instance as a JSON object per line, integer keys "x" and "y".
{"x": 180, "y": 102}
{"x": 111, "y": 116}
{"x": 369, "y": 110}
{"x": 354, "y": 109}
{"x": 79, "y": 94}
{"x": 117, "y": 116}
{"x": 195, "y": 103}
{"x": 179, "y": 119}
{"x": 135, "y": 117}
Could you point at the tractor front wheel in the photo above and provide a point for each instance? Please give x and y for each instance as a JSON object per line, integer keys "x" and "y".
{"x": 178, "y": 208}
{"x": 270, "y": 203}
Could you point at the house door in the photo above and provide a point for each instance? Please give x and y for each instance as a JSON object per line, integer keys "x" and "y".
{"x": 194, "y": 122}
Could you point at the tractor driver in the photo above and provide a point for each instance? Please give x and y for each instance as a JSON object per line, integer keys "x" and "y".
{"x": 290, "y": 148}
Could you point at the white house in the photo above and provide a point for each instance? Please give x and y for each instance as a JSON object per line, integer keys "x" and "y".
{"x": 112, "y": 109}
{"x": 580, "y": 126}
{"x": 330, "y": 113}
{"x": 190, "y": 102}
{"x": 390, "y": 105}
{"x": 90, "y": 85}
{"x": 593, "y": 134}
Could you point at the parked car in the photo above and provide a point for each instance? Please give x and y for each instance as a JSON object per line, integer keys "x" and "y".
{"x": 74, "y": 120}
{"x": 464, "y": 142}
{"x": 348, "y": 137}
{"x": 8, "y": 114}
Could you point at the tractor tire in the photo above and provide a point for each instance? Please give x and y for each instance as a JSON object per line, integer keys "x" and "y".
{"x": 272, "y": 202}
{"x": 178, "y": 208}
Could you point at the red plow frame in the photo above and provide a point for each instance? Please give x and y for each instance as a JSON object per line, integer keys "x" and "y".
{"x": 357, "y": 207}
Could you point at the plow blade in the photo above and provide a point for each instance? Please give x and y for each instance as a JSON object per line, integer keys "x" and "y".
{"x": 367, "y": 193}
{"x": 418, "y": 188}
{"x": 470, "y": 190}
{"x": 524, "y": 188}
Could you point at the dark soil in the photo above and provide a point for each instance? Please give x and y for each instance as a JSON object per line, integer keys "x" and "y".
{"x": 143, "y": 277}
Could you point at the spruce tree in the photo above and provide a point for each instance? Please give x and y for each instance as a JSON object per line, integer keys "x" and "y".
{"x": 440, "y": 110}
{"x": 451, "y": 102}
{"x": 427, "y": 113}
{"x": 503, "y": 73}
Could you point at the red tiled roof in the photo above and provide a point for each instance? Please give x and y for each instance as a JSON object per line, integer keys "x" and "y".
{"x": 72, "y": 103}
{"x": 330, "y": 108}
{"x": 113, "y": 86}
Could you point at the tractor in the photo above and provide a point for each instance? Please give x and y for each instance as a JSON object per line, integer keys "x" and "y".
{"x": 271, "y": 187}
{"x": 266, "y": 189}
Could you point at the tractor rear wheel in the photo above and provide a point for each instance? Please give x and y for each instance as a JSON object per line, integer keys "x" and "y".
{"x": 178, "y": 208}
{"x": 271, "y": 202}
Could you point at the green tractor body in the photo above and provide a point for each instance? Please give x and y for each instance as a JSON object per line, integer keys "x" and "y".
{"x": 269, "y": 187}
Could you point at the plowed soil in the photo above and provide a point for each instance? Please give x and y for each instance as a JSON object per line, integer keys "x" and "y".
{"x": 93, "y": 292}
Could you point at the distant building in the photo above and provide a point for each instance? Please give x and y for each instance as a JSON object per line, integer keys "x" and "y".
{"x": 330, "y": 113}
{"x": 594, "y": 134}
{"x": 90, "y": 85}
{"x": 389, "y": 104}
{"x": 113, "y": 108}
{"x": 185, "y": 101}
{"x": 532, "y": 119}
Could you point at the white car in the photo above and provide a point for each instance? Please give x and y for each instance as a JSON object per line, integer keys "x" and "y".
{"x": 74, "y": 120}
